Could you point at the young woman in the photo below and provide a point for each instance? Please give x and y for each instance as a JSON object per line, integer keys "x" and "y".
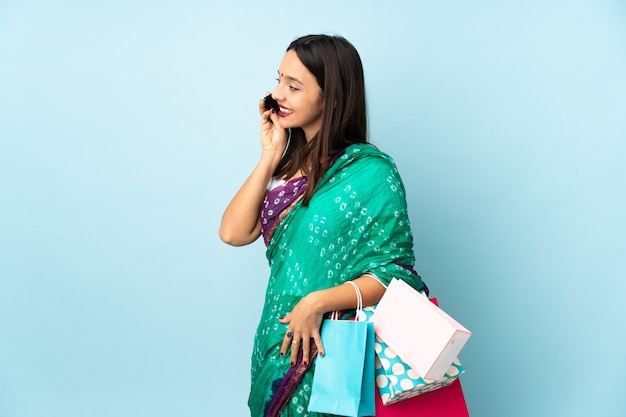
{"x": 331, "y": 208}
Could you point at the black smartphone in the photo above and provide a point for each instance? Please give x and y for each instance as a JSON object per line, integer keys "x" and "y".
{"x": 270, "y": 103}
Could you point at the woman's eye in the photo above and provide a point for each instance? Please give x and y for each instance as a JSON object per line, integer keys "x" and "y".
{"x": 292, "y": 88}
{"x": 278, "y": 80}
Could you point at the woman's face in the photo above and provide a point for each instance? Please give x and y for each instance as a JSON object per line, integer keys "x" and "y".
{"x": 299, "y": 96}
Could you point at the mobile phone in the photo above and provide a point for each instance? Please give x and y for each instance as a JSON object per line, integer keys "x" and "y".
{"x": 270, "y": 103}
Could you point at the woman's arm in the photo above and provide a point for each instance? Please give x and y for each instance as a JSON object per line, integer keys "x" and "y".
{"x": 305, "y": 320}
{"x": 241, "y": 224}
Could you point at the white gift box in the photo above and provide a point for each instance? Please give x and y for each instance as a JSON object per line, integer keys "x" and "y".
{"x": 423, "y": 335}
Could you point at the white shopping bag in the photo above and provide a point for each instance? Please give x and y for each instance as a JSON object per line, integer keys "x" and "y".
{"x": 423, "y": 335}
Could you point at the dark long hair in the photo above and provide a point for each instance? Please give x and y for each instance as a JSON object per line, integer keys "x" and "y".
{"x": 337, "y": 67}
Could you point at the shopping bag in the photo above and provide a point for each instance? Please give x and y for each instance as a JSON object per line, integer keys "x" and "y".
{"x": 448, "y": 401}
{"x": 343, "y": 382}
{"x": 421, "y": 333}
{"x": 395, "y": 379}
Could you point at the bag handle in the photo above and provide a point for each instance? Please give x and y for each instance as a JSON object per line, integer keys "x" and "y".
{"x": 359, "y": 299}
{"x": 335, "y": 315}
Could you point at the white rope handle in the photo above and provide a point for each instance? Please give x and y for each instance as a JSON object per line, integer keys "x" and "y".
{"x": 359, "y": 299}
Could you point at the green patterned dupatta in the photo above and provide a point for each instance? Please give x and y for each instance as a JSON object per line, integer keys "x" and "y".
{"x": 356, "y": 223}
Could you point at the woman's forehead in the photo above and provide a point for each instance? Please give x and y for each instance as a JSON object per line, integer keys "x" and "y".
{"x": 293, "y": 69}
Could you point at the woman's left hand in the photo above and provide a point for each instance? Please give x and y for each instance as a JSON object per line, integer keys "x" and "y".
{"x": 303, "y": 327}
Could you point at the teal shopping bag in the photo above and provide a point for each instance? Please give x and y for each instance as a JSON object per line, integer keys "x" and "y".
{"x": 343, "y": 382}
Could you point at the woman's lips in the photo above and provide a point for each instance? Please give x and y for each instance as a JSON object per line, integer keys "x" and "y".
{"x": 284, "y": 112}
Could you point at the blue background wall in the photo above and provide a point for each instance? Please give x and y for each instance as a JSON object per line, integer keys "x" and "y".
{"x": 126, "y": 127}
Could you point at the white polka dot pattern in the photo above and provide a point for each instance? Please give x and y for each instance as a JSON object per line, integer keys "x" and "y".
{"x": 396, "y": 381}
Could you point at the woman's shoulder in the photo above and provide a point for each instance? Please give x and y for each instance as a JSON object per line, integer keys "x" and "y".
{"x": 372, "y": 172}
{"x": 368, "y": 154}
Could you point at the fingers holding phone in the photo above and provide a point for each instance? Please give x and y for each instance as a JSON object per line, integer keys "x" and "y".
{"x": 270, "y": 103}
{"x": 269, "y": 108}
{"x": 272, "y": 135}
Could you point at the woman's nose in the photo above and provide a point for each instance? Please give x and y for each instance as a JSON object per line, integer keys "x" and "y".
{"x": 277, "y": 93}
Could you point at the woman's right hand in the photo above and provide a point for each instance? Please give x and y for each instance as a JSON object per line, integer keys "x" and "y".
{"x": 273, "y": 136}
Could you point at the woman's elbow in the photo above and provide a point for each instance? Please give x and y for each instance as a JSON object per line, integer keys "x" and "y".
{"x": 228, "y": 237}
{"x": 231, "y": 237}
